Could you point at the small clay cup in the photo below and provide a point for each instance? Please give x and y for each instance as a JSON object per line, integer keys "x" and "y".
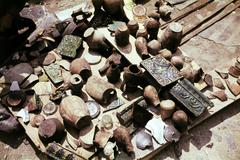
{"x": 133, "y": 27}
{"x": 122, "y": 35}
{"x": 113, "y": 73}
{"x": 167, "y": 107}
{"x": 76, "y": 83}
{"x": 131, "y": 77}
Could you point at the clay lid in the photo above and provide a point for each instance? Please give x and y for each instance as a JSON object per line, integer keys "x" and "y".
{"x": 167, "y": 104}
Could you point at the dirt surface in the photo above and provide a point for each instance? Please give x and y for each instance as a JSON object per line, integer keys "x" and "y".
{"x": 216, "y": 138}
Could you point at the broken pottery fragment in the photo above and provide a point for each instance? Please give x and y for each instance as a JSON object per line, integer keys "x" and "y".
{"x": 75, "y": 112}
{"x": 69, "y": 45}
{"x": 141, "y": 47}
{"x": 49, "y": 109}
{"x": 37, "y": 120}
{"x": 65, "y": 64}
{"x": 100, "y": 90}
{"x": 76, "y": 83}
{"x": 166, "y": 108}
{"x": 82, "y": 67}
{"x": 8, "y": 123}
{"x": 221, "y": 95}
{"x": 23, "y": 113}
{"x": 218, "y": 83}
{"x": 102, "y": 137}
{"x": 156, "y": 127}
{"x": 171, "y": 134}
{"x": 93, "y": 108}
{"x": 238, "y": 81}
{"x": 122, "y": 136}
{"x": 51, "y": 130}
{"x": 30, "y": 80}
{"x": 233, "y": 87}
{"x": 43, "y": 88}
{"x": 151, "y": 95}
{"x": 143, "y": 140}
{"x": 54, "y": 73}
{"x": 17, "y": 73}
{"x": 113, "y": 105}
{"x": 93, "y": 57}
{"x": 222, "y": 74}
{"x": 16, "y": 96}
{"x": 233, "y": 71}
{"x": 180, "y": 120}
{"x": 109, "y": 150}
{"x": 237, "y": 65}
{"x": 34, "y": 102}
{"x": 208, "y": 79}
{"x": 49, "y": 59}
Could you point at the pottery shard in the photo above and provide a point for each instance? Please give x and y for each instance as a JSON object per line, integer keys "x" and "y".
{"x": 102, "y": 137}
{"x": 208, "y": 80}
{"x": 218, "y": 83}
{"x": 69, "y": 45}
{"x": 17, "y": 73}
{"x": 221, "y": 95}
{"x": 54, "y": 73}
{"x": 233, "y": 71}
{"x": 143, "y": 140}
{"x": 48, "y": 59}
{"x": 233, "y": 87}
{"x": 222, "y": 74}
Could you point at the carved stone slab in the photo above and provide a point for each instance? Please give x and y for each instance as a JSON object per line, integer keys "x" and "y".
{"x": 191, "y": 98}
{"x": 54, "y": 72}
{"x": 161, "y": 70}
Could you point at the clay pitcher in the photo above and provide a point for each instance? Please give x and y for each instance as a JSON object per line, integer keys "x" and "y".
{"x": 151, "y": 95}
{"x": 113, "y": 73}
{"x": 82, "y": 67}
{"x": 75, "y": 112}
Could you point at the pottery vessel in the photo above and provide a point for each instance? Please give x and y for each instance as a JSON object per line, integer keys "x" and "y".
{"x": 151, "y": 95}
{"x": 165, "y": 11}
{"x": 97, "y": 5}
{"x": 167, "y": 107}
{"x": 142, "y": 33}
{"x": 113, "y": 73}
{"x": 51, "y": 130}
{"x": 100, "y": 90}
{"x": 133, "y": 27}
{"x": 122, "y": 35}
{"x": 37, "y": 120}
{"x": 172, "y": 36}
{"x": 180, "y": 120}
{"x": 152, "y": 27}
{"x": 154, "y": 47}
{"x": 131, "y": 77}
{"x": 76, "y": 83}
{"x": 177, "y": 61}
{"x": 141, "y": 47}
{"x": 75, "y": 112}
{"x": 81, "y": 66}
{"x": 166, "y": 54}
{"x": 114, "y": 7}
{"x": 139, "y": 13}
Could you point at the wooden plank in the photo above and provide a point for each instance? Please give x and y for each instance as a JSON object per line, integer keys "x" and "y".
{"x": 212, "y": 21}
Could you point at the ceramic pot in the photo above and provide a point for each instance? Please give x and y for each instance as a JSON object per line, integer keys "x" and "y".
{"x": 166, "y": 54}
{"x": 141, "y": 47}
{"x": 167, "y": 107}
{"x": 81, "y": 66}
{"x": 74, "y": 112}
{"x": 114, "y": 8}
{"x": 100, "y": 90}
{"x": 122, "y": 35}
{"x": 172, "y": 36}
{"x": 152, "y": 27}
{"x": 76, "y": 83}
{"x": 165, "y": 11}
{"x": 95, "y": 40}
{"x": 180, "y": 120}
{"x": 51, "y": 130}
{"x": 133, "y": 27}
{"x": 151, "y": 95}
{"x": 131, "y": 77}
{"x": 113, "y": 73}
{"x": 178, "y": 62}
{"x": 154, "y": 47}
{"x": 142, "y": 33}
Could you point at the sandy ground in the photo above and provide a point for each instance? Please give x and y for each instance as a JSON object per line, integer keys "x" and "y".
{"x": 216, "y": 138}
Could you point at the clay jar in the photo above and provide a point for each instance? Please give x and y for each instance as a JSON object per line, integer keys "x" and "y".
{"x": 153, "y": 47}
{"x": 76, "y": 83}
{"x": 95, "y": 40}
{"x": 74, "y": 112}
{"x": 142, "y": 33}
{"x": 100, "y": 90}
{"x": 152, "y": 27}
{"x": 167, "y": 107}
{"x": 81, "y": 66}
{"x": 180, "y": 120}
{"x": 122, "y": 35}
{"x": 113, "y": 73}
{"x": 141, "y": 47}
{"x": 172, "y": 36}
{"x": 131, "y": 77}
{"x": 133, "y": 27}
{"x": 165, "y": 11}
{"x": 151, "y": 95}
{"x": 51, "y": 130}
{"x": 113, "y": 7}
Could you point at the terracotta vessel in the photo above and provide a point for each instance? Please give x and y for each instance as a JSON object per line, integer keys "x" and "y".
{"x": 114, "y": 8}
{"x": 81, "y": 66}
{"x": 51, "y": 130}
{"x": 165, "y": 11}
{"x": 142, "y": 33}
{"x": 152, "y": 27}
{"x": 95, "y": 40}
{"x": 74, "y": 111}
{"x": 76, "y": 83}
{"x": 172, "y": 36}
{"x": 166, "y": 54}
{"x": 131, "y": 77}
{"x": 167, "y": 107}
{"x": 133, "y": 27}
{"x": 151, "y": 95}
{"x": 123, "y": 138}
{"x": 122, "y": 35}
{"x": 37, "y": 120}
{"x": 154, "y": 14}
{"x": 97, "y": 5}
{"x": 180, "y": 120}
{"x": 100, "y": 90}
{"x": 141, "y": 47}
{"x": 113, "y": 73}
{"x": 177, "y": 61}
{"x": 154, "y": 47}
